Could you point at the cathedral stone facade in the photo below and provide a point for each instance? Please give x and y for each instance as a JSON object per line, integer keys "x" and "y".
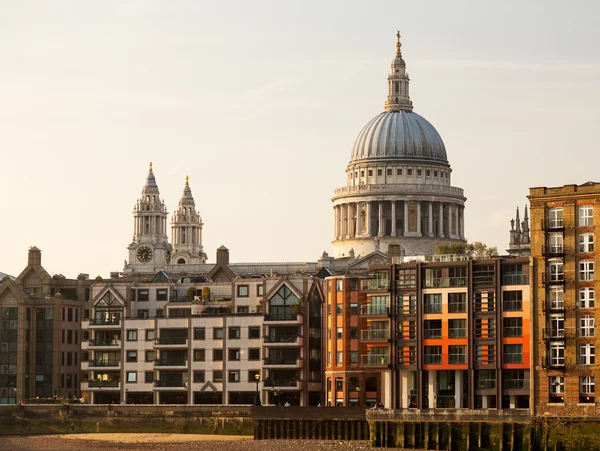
{"x": 399, "y": 187}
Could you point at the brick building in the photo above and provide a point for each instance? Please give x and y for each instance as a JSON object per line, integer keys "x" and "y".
{"x": 430, "y": 332}
{"x": 564, "y": 224}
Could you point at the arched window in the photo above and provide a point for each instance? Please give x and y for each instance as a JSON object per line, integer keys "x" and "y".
{"x": 181, "y": 261}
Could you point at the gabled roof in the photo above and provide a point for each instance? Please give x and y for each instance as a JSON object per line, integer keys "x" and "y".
{"x": 160, "y": 277}
{"x": 5, "y": 276}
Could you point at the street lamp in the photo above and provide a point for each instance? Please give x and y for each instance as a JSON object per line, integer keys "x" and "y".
{"x": 257, "y": 397}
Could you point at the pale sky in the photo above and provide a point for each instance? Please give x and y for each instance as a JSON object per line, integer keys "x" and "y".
{"x": 259, "y": 102}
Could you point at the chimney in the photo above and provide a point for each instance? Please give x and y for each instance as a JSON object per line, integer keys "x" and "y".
{"x": 35, "y": 256}
{"x": 223, "y": 256}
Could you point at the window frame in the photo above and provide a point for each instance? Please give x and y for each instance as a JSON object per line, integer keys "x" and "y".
{"x": 585, "y": 215}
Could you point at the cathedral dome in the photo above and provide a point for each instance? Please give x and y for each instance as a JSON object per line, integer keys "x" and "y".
{"x": 400, "y": 135}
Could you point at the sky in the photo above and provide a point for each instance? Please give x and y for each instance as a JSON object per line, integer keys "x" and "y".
{"x": 260, "y": 102}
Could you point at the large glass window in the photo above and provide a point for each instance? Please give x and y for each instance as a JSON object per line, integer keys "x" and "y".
{"x": 586, "y": 326}
{"x": 513, "y": 327}
{"x": 512, "y": 301}
{"x": 555, "y": 241}
{"x": 457, "y": 354}
{"x": 587, "y": 354}
{"x": 557, "y": 354}
{"x": 556, "y": 271}
{"x": 513, "y": 353}
{"x": 457, "y": 302}
{"x": 586, "y": 215}
{"x": 586, "y": 242}
{"x": 282, "y": 305}
{"x": 555, "y": 218}
{"x": 557, "y": 325}
{"x": 556, "y": 298}
{"x": 433, "y": 355}
{"x": 457, "y": 328}
{"x": 586, "y": 298}
{"x": 586, "y": 270}
{"x": 433, "y": 303}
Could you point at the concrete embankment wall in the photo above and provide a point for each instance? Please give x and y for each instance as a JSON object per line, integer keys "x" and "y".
{"x": 64, "y": 419}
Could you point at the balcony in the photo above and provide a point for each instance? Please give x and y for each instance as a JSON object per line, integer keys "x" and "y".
{"x": 284, "y": 318}
{"x": 553, "y": 224}
{"x": 445, "y": 282}
{"x": 432, "y": 333}
{"x": 176, "y": 363}
{"x": 282, "y": 363}
{"x": 289, "y": 340}
{"x": 104, "y": 364}
{"x": 433, "y": 359}
{"x": 554, "y": 334}
{"x": 104, "y": 343}
{"x": 553, "y": 278}
{"x": 171, "y": 342}
{"x": 375, "y": 284}
{"x": 375, "y": 360}
{"x": 515, "y": 279}
{"x": 284, "y": 384}
{"x": 170, "y": 385}
{"x": 374, "y": 310}
{"x": 553, "y": 251}
{"x": 375, "y": 335}
{"x": 102, "y": 385}
{"x": 105, "y": 322}
{"x": 516, "y": 384}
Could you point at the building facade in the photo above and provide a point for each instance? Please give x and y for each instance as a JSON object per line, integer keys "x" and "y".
{"x": 564, "y": 226}
{"x": 398, "y": 188}
{"x": 437, "y": 332}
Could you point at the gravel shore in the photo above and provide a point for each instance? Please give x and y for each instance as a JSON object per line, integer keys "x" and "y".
{"x": 170, "y": 442}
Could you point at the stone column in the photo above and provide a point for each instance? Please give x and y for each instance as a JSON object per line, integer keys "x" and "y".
{"x": 449, "y": 220}
{"x": 458, "y": 389}
{"x": 393, "y": 233}
{"x": 431, "y": 388}
{"x": 405, "y": 218}
{"x": 462, "y": 222}
{"x": 368, "y": 218}
{"x": 419, "y": 232}
{"x": 348, "y": 221}
{"x": 335, "y": 222}
{"x": 380, "y": 218}
{"x": 457, "y": 221}
{"x": 357, "y": 225}
{"x": 430, "y": 221}
{"x": 441, "y": 231}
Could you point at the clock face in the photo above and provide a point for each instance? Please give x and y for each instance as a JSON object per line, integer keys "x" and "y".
{"x": 144, "y": 254}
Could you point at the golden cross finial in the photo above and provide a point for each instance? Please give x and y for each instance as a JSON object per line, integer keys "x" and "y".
{"x": 187, "y": 180}
{"x": 150, "y": 170}
{"x": 398, "y": 44}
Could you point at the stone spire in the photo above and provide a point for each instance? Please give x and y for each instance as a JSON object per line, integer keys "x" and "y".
{"x": 518, "y": 221}
{"x": 186, "y": 230}
{"x": 398, "y": 81}
{"x": 520, "y": 243}
{"x": 526, "y": 221}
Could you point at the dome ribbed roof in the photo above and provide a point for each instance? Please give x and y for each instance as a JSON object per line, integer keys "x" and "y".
{"x": 402, "y": 135}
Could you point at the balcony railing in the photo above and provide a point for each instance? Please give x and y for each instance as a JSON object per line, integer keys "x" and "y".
{"x": 516, "y": 384}
{"x": 375, "y": 359}
{"x": 169, "y": 384}
{"x": 105, "y": 363}
{"x": 97, "y": 342}
{"x": 486, "y": 384}
{"x": 457, "y": 333}
{"x": 444, "y": 282}
{"x": 375, "y": 334}
{"x": 98, "y": 384}
{"x": 515, "y": 279}
{"x": 513, "y": 331}
{"x": 282, "y": 338}
{"x": 285, "y": 383}
{"x": 457, "y": 359}
{"x": 281, "y": 317}
{"x": 433, "y": 359}
{"x": 432, "y": 333}
{"x": 554, "y": 334}
{"x": 370, "y": 309}
{"x": 170, "y": 362}
{"x": 105, "y": 321}
{"x": 553, "y": 278}
{"x": 281, "y": 361}
{"x": 171, "y": 341}
{"x": 375, "y": 284}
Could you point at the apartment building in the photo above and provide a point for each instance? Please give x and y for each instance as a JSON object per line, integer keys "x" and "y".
{"x": 430, "y": 332}
{"x": 564, "y": 224}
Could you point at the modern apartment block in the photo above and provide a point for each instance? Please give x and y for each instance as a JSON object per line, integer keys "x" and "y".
{"x": 564, "y": 224}
{"x": 430, "y": 332}
{"x": 40, "y": 337}
{"x": 199, "y": 342}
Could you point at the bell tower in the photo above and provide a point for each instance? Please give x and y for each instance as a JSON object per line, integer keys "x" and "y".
{"x": 186, "y": 230}
{"x": 149, "y": 250}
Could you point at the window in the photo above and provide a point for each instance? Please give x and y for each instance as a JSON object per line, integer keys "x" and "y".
{"x": 142, "y": 295}
{"x": 555, "y": 218}
{"x": 557, "y": 325}
{"x": 555, "y": 242}
{"x": 428, "y": 173}
{"x": 433, "y": 303}
{"x": 254, "y": 332}
{"x": 435, "y": 173}
{"x": 217, "y": 355}
{"x": 586, "y": 242}
{"x": 586, "y": 298}
{"x": 512, "y": 301}
{"x": 556, "y": 298}
{"x": 389, "y": 172}
{"x": 353, "y": 309}
{"x": 457, "y": 354}
{"x": 234, "y": 354}
{"x": 242, "y": 291}
{"x": 199, "y": 355}
{"x": 409, "y": 172}
{"x": 457, "y": 302}
{"x": 234, "y": 376}
{"x": 513, "y": 353}
{"x": 150, "y": 334}
{"x": 339, "y": 357}
{"x": 160, "y": 312}
{"x": 586, "y": 270}
{"x": 339, "y": 384}
{"x": 339, "y": 285}
{"x": 217, "y": 376}
{"x": 556, "y": 270}
{"x": 143, "y": 314}
{"x": 398, "y": 171}
{"x": 218, "y": 333}
{"x": 161, "y": 295}
{"x": 557, "y": 385}
{"x": 338, "y": 309}
{"x": 457, "y": 328}
{"x": 252, "y": 375}
{"x": 586, "y": 215}
{"x": 234, "y": 333}
{"x": 353, "y": 332}
{"x": 243, "y": 309}
{"x": 586, "y": 326}
{"x": 485, "y": 354}
{"x": 198, "y": 376}
{"x": 131, "y": 356}
{"x": 131, "y": 376}
{"x": 260, "y": 290}
{"x": 254, "y": 354}
{"x": 587, "y": 354}
{"x": 370, "y": 172}
{"x": 419, "y": 172}
{"x": 513, "y": 327}
{"x": 149, "y": 356}
{"x": 586, "y": 385}
{"x": 199, "y": 333}
{"x": 433, "y": 355}
{"x": 353, "y": 356}
{"x": 132, "y": 335}
{"x": 329, "y": 357}
{"x": 149, "y": 377}
{"x": 557, "y": 354}
{"x": 339, "y": 333}
{"x": 282, "y": 305}
{"x": 433, "y": 328}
